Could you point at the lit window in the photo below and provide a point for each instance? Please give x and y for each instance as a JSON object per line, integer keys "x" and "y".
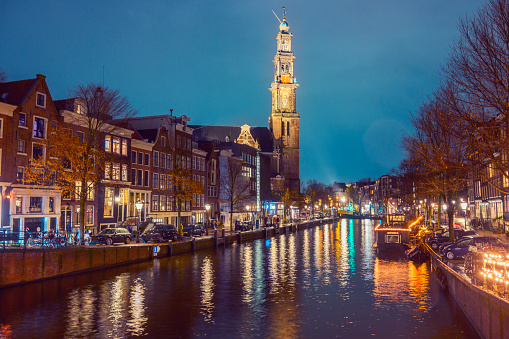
{"x": 155, "y": 203}
{"x": 124, "y": 146}
{"x": 90, "y": 215}
{"x": 163, "y": 203}
{"x": 107, "y": 143}
{"x": 115, "y": 175}
{"x": 108, "y": 201}
{"x": 124, "y": 172}
{"x": 39, "y": 127}
{"x": 116, "y": 145}
{"x": 20, "y": 174}
{"x": 22, "y": 119}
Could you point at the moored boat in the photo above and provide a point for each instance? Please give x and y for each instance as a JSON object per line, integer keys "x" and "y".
{"x": 394, "y": 235}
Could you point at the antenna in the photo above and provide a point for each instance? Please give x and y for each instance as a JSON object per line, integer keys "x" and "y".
{"x": 276, "y": 17}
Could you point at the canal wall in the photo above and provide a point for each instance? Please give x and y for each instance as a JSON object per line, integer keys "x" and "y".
{"x": 19, "y": 266}
{"x": 487, "y": 312}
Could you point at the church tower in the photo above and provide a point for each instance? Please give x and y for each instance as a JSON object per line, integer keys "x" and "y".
{"x": 284, "y": 119}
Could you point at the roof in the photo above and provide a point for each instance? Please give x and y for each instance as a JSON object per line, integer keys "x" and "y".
{"x": 149, "y": 134}
{"x": 229, "y": 133}
{"x": 15, "y": 92}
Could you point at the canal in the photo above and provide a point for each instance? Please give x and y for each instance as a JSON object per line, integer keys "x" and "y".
{"x": 325, "y": 281}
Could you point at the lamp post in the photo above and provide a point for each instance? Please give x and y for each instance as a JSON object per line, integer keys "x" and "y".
{"x": 139, "y": 206}
{"x": 464, "y": 208}
{"x": 248, "y": 214}
{"x": 207, "y": 208}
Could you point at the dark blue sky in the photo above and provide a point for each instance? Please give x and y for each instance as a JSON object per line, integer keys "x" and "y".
{"x": 362, "y": 66}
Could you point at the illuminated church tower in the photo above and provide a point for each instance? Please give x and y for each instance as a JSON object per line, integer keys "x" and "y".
{"x": 284, "y": 120}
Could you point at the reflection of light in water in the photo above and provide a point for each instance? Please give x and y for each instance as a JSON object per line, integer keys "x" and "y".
{"x": 403, "y": 285}
{"x": 292, "y": 261}
{"x": 317, "y": 253}
{"x": 351, "y": 247}
{"x": 207, "y": 290}
{"x": 117, "y": 305}
{"x": 306, "y": 258}
{"x": 345, "y": 265}
{"x": 80, "y": 320}
{"x": 136, "y": 325}
{"x": 272, "y": 267}
{"x": 367, "y": 249}
{"x": 247, "y": 273}
{"x": 326, "y": 256}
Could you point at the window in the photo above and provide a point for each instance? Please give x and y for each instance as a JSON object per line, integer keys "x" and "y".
{"x": 20, "y": 174}
{"x": 156, "y": 159}
{"x": 116, "y": 145}
{"x": 21, "y": 146}
{"x": 147, "y": 159}
{"x": 155, "y": 203}
{"x": 169, "y": 205}
{"x": 189, "y": 162}
{"x": 140, "y": 158}
{"x": 115, "y": 174}
{"x": 90, "y": 192}
{"x": 41, "y": 100}
{"x": 140, "y": 177}
{"x": 37, "y": 151}
{"x": 107, "y": 171}
{"x": 90, "y": 215}
{"x": 81, "y": 136}
{"x": 124, "y": 146}
{"x": 163, "y": 160}
{"x": 163, "y": 182}
{"x": 22, "y": 119}
{"x": 107, "y": 143}
{"x": 19, "y": 205}
{"x": 51, "y": 204}
{"x": 133, "y": 157}
{"x": 124, "y": 172}
{"x": 146, "y": 177}
{"x": 35, "y": 205}
{"x": 163, "y": 142}
{"x": 163, "y": 203}
{"x": 133, "y": 176}
{"x": 108, "y": 201}
{"x": 155, "y": 180}
{"x": 169, "y": 162}
{"x": 194, "y": 162}
{"x": 213, "y": 172}
{"x": 39, "y": 127}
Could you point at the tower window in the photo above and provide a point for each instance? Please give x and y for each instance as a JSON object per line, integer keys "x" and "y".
{"x": 282, "y": 128}
{"x": 288, "y": 128}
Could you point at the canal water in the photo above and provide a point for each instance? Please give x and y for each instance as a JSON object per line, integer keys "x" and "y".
{"x": 321, "y": 282}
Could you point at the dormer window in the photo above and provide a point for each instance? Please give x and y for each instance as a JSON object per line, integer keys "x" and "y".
{"x": 41, "y": 100}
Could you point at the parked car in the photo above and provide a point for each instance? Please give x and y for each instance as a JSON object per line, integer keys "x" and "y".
{"x": 191, "y": 230}
{"x": 440, "y": 237}
{"x": 109, "y": 236}
{"x": 243, "y": 226}
{"x": 159, "y": 233}
{"x": 460, "y": 248}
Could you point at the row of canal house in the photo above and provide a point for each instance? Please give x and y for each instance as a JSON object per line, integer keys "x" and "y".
{"x": 144, "y": 151}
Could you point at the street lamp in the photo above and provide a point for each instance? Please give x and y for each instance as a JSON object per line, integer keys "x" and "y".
{"x": 207, "y": 208}
{"x": 139, "y": 206}
{"x": 248, "y": 214}
{"x": 464, "y": 208}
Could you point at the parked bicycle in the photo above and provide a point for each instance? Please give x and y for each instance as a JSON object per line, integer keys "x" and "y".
{"x": 46, "y": 239}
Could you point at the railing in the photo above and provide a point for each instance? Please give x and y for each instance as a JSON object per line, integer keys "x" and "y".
{"x": 9, "y": 237}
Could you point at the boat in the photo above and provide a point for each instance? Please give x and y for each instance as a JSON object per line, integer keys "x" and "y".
{"x": 394, "y": 234}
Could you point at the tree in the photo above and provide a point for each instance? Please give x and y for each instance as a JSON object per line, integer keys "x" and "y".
{"x": 3, "y": 76}
{"x": 478, "y": 89}
{"x": 235, "y": 186}
{"x": 75, "y": 165}
{"x": 184, "y": 187}
{"x": 437, "y": 153}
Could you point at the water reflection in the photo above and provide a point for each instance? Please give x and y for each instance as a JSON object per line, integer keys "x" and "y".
{"x": 326, "y": 281}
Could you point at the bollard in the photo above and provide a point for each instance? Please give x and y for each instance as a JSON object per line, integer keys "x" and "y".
{"x": 193, "y": 244}
{"x": 215, "y": 238}
{"x": 239, "y": 240}
{"x": 265, "y": 233}
{"x": 170, "y": 248}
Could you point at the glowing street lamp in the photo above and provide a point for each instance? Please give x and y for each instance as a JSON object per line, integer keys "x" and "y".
{"x": 139, "y": 206}
{"x": 207, "y": 208}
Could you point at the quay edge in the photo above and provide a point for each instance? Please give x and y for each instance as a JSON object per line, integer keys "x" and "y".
{"x": 20, "y": 267}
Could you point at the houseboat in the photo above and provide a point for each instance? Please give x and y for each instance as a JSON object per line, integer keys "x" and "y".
{"x": 394, "y": 234}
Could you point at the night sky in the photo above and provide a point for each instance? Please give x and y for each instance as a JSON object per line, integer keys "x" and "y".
{"x": 362, "y": 66}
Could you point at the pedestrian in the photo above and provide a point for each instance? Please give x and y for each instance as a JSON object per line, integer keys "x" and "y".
{"x": 26, "y": 236}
